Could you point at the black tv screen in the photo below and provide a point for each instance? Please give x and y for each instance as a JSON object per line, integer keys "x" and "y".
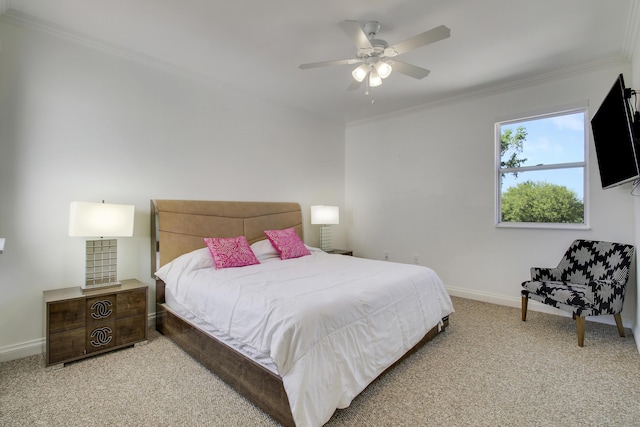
{"x": 613, "y": 135}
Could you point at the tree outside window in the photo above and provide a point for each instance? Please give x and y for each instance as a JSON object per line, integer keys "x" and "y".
{"x": 541, "y": 170}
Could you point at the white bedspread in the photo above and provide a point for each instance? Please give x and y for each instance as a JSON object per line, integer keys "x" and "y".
{"x": 331, "y": 323}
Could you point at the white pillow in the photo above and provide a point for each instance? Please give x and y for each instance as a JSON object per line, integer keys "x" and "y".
{"x": 194, "y": 260}
{"x": 263, "y": 250}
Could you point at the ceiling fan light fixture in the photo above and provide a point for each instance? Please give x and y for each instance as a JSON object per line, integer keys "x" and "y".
{"x": 376, "y": 57}
{"x": 374, "y": 78}
{"x": 360, "y": 72}
{"x": 383, "y": 69}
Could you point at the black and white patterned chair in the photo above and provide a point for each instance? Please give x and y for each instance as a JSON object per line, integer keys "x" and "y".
{"x": 590, "y": 280}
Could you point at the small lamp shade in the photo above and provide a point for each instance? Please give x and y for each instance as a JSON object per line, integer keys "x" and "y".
{"x": 325, "y": 215}
{"x": 100, "y": 220}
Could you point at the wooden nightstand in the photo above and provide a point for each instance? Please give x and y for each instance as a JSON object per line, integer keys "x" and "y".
{"x": 82, "y": 324}
{"x": 340, "y": 252}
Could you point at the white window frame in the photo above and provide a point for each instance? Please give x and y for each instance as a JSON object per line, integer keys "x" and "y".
{"x": 558, "y": 111}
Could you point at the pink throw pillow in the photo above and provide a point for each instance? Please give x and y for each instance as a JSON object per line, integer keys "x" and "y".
{"x": 287, "y": 243}
{"x": 230, "y": 251}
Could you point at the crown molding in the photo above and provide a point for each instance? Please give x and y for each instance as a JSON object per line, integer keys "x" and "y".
{"x": 633, "y": 29}
{"x": 497, "y": 88}
{"x": 22, "y": 19}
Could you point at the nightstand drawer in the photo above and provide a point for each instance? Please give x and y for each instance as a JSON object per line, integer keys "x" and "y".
{"x": 101, "y": 308}
{"x": 66, "y": 315}
{"x": 132, "y": 303}
{"x": 131, "y": 329}
{"x": 65, "y": 345}
{"x": 101, "y": 336}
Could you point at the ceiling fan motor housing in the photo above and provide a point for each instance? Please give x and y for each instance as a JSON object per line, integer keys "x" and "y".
{"x": 379, "y": 48}
{"x": 371, "y": 28}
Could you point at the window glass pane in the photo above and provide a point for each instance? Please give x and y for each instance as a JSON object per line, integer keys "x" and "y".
{"x": 548, "y": 140}
{"x": 544, "y": 196}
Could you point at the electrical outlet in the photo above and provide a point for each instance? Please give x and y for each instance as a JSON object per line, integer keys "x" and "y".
{"x": 416, "y": 258}
{"x": 386, "y": 255}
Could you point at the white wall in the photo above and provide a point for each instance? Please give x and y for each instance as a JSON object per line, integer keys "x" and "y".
{"x": 81, "y": 123}
{"x": 423, "y": 183}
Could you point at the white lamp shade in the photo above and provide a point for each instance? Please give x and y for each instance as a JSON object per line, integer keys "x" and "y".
{"x": 100, "y": 220}
{"x": 325, "y": 215}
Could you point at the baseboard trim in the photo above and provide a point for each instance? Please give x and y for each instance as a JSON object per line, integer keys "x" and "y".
{"x": 533, "y": 305}
{"x": 31, "y": 348}
{"x": 37, "y": 346}
{"x": 25, "y": 349}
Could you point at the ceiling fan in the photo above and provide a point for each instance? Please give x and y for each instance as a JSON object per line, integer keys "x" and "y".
{"x": 376, "y": 58}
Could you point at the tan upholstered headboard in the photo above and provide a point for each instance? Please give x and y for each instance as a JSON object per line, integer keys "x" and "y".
{"x": 178, "y": 226}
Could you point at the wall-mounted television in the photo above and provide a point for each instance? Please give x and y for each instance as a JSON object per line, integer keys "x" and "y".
{"x": 613, "y": 134}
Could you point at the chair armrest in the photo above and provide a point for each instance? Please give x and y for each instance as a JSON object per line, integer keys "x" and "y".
{"x": 605, "y": 286}
{"x": 541, "y": 274}
{"x": 607, "y": 295}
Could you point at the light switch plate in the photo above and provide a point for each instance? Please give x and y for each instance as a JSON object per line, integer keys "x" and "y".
{"x": 1, "y": 244}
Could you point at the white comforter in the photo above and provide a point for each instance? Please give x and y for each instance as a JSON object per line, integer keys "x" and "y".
{"x": 331, "y": 323}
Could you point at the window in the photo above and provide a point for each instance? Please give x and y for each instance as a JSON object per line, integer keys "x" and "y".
{"x": 541, "y": 171}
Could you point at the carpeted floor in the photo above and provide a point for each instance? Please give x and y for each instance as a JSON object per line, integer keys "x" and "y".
{"x": 489, "y": 368}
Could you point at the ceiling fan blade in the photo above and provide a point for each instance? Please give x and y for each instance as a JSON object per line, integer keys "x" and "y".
{"x": 409, "y": 70}
{"x": 355, "y": 33}
{"x": 325, "y": 63}
{"x": 430, "y": 36}
{"x": 355, "y": 85}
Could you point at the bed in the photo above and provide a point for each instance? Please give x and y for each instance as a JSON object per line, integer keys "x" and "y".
{"x": 303, "y": 364}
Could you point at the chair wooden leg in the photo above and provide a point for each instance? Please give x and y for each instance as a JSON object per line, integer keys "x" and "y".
{"x": 525, "y": 301}
{"x": 580, "y": 323}
{"x": 618, "y": 318}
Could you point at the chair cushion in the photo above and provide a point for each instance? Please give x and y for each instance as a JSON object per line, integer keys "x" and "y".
{"x": 562, "y": 292}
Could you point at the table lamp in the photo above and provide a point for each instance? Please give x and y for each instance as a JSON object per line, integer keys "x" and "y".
{"x": 101, "y": 220}
{"x": 325, "y": 216}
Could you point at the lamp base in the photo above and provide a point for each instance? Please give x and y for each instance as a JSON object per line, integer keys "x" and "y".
{"x": 101, "y": 264}
{"x": 325, "y": 238}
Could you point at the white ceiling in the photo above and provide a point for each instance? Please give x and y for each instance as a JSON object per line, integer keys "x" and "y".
{"x": 257, "y": 45}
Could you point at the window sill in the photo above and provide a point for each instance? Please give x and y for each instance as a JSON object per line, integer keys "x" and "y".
{"x": 539, "y": 225}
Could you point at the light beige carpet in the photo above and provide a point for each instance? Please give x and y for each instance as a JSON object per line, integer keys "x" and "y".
{"x": 489, "y": 368}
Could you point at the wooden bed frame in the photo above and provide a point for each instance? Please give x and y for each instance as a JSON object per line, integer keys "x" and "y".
{"x": 178, "y": 227}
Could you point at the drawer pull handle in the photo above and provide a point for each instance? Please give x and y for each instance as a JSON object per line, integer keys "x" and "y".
{"x": 102, "y": 336}
{"x": 101, "y": 309}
